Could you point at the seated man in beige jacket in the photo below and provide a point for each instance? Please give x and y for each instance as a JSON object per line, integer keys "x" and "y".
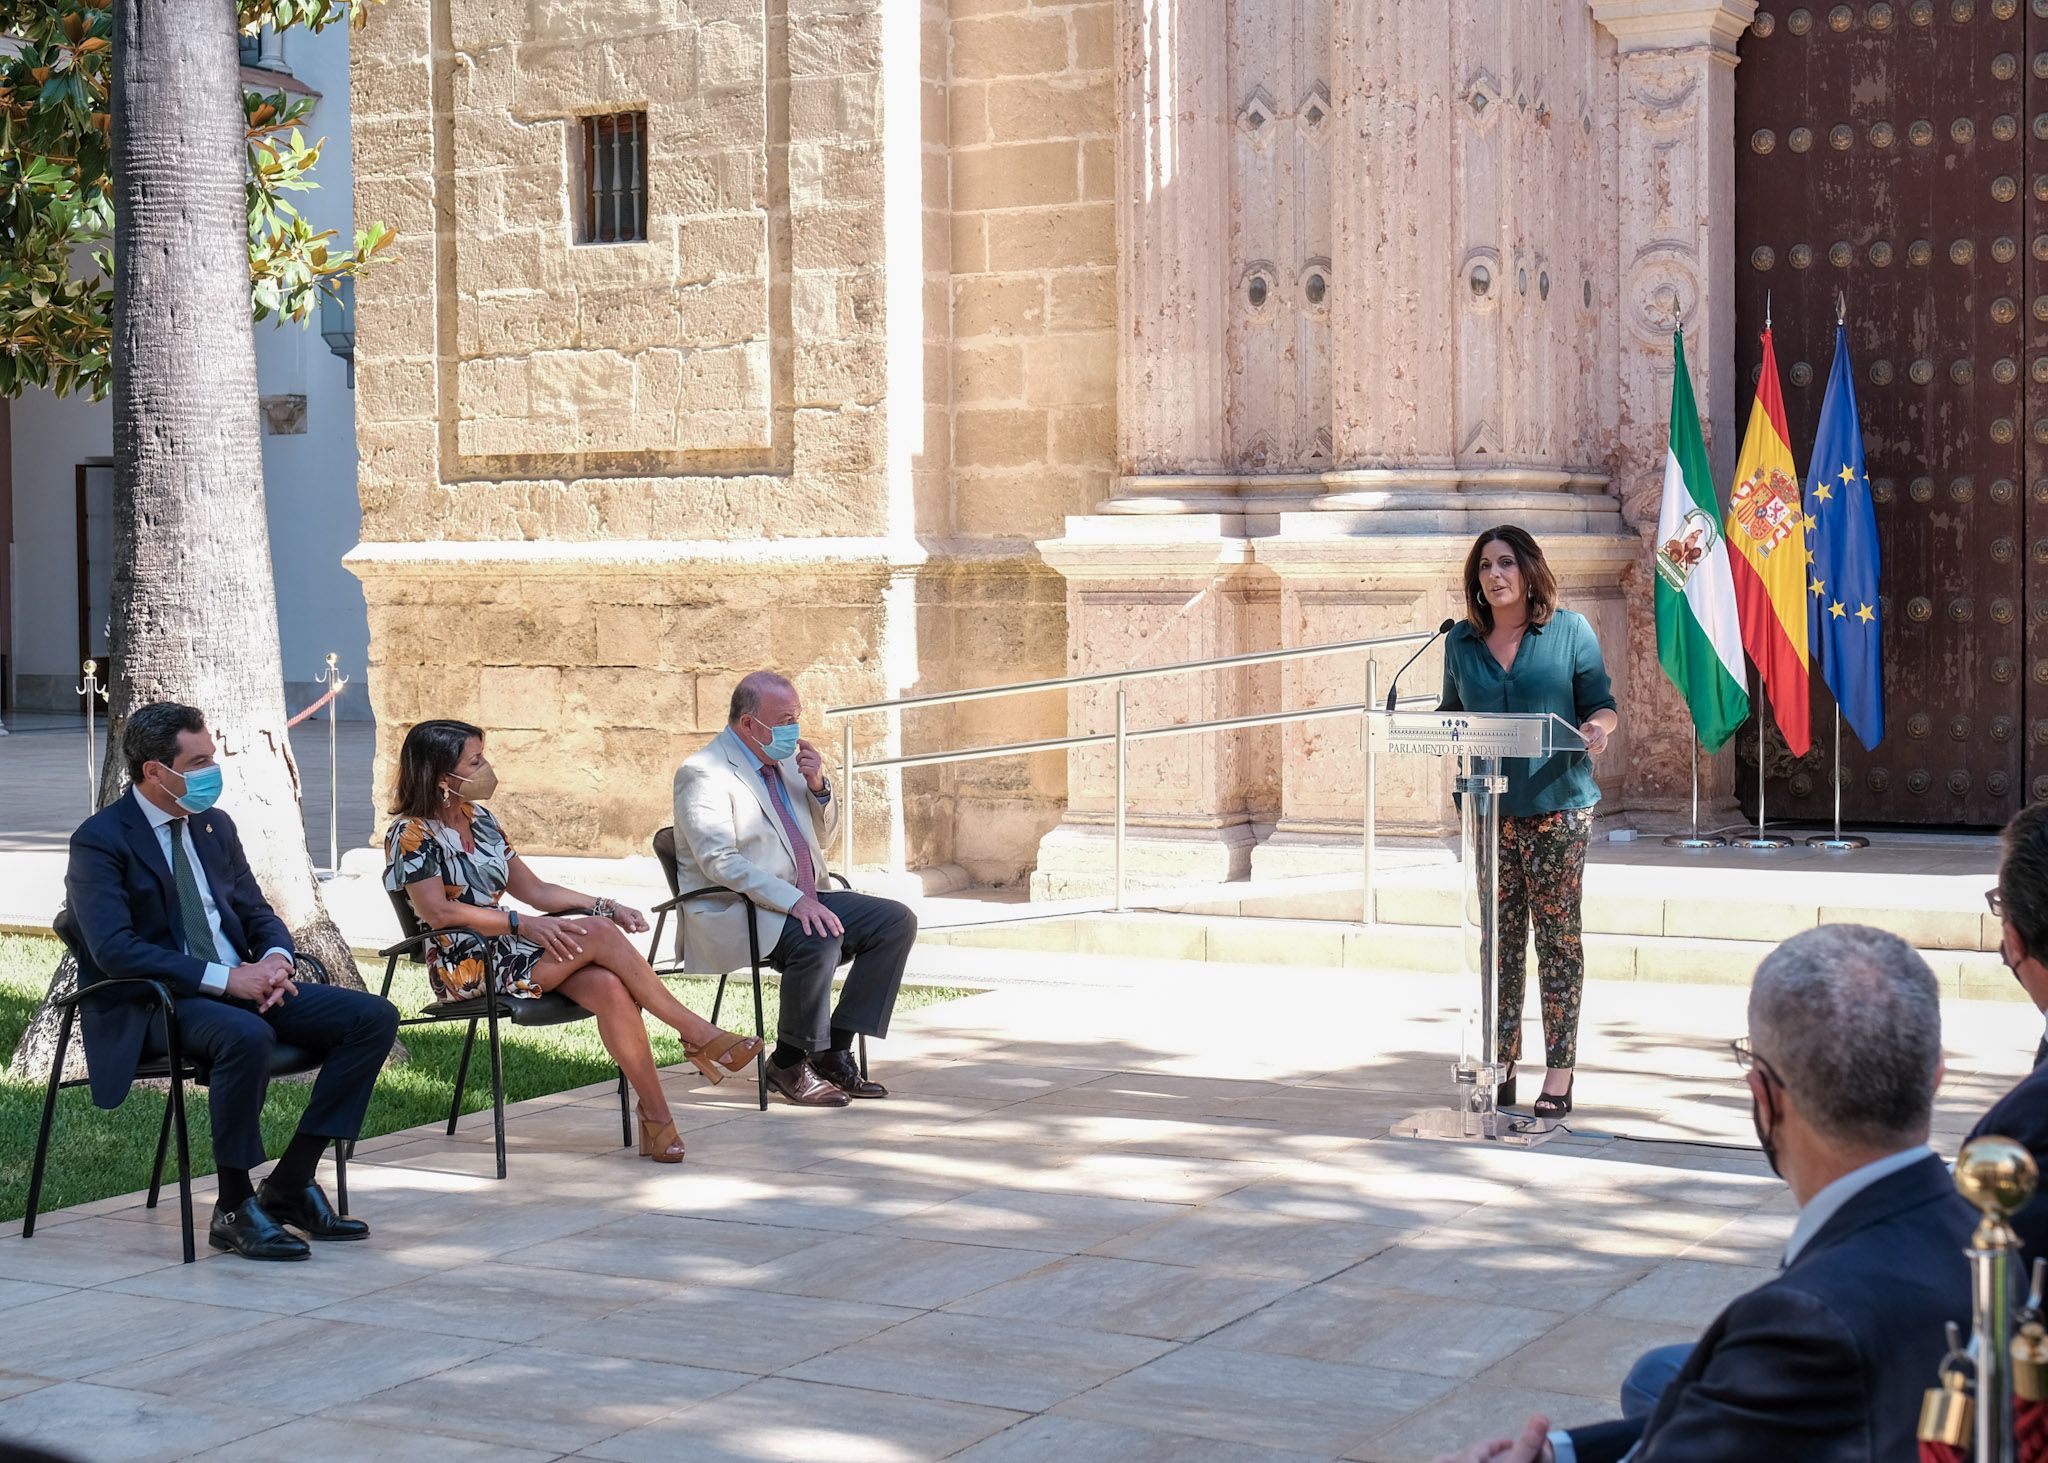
{"x": 753, "y": 812}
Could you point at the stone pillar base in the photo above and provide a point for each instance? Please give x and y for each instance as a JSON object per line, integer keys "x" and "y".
{"x": 1078, "y": 860}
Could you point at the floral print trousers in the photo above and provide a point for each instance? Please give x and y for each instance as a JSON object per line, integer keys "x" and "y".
{"x": 1543, "y": 879}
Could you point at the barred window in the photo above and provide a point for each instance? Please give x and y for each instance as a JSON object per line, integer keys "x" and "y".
{"x": 614, "y": 179}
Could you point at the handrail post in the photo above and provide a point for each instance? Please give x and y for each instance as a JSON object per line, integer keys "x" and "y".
{"x": 1120, "y": 728}
{"x": 846, "y": 798}
{"x": 1372, "y": 787}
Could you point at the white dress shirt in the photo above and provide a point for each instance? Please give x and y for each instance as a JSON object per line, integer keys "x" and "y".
{"x": 1813, "y": 1214}
{"x": 216, "y": 977}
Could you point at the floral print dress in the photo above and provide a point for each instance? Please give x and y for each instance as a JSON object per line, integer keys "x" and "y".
{"x": 418, "y": 849}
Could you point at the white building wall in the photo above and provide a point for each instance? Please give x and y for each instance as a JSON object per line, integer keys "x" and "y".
{"x": 310, "y": 477}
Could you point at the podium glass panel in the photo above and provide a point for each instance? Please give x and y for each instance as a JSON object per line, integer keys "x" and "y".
{"x": 1480, "y": 743}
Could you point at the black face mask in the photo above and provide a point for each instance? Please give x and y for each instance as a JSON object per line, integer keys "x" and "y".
{"x": 1764, "y": 1139}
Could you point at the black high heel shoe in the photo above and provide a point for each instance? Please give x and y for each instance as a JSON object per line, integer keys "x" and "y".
{"x": 1556, "y": 1104}
{"x": 1504, "y": 1095}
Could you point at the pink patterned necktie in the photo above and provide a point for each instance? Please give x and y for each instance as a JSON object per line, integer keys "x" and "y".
{"x": 806, "y": 876}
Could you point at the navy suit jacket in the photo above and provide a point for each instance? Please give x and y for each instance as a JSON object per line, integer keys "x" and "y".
{"x": 1827, "y": 1362}
{"x": 119, "y": 890}
{"x": 2022, "y": 1115}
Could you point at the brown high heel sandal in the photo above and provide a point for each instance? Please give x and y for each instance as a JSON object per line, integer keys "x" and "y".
{"x": 659, "y": 1141}
{"x": 717, "y": 1058}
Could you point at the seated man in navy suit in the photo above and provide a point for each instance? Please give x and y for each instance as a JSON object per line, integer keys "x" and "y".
{"x": 159, "y": 887}
{"x": 1827, "y": 1362}
{"x": 2021, "y": 903}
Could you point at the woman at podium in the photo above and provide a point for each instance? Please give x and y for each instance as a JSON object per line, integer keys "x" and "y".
{"x": 1516, "y": 650}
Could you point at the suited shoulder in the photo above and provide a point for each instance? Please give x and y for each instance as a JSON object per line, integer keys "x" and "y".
{"x": 102, "y": 826}
{"x": 2022, "y": 1114}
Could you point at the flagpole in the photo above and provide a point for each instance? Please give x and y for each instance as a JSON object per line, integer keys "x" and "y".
{"x": 1694, "y": 840}
{"x": 1760, "y": 839}
{"x": 1838, "y": 840}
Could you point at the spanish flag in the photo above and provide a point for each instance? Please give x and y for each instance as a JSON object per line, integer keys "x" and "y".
{"x": 1767, "y": 556}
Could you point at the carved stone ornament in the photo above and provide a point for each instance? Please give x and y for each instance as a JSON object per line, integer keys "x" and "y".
{"x": 1481, "y": 271}
{"x": 1661, "y": 291}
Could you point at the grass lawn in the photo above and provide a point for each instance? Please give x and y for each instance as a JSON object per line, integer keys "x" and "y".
{"x": 94, "y": 1153}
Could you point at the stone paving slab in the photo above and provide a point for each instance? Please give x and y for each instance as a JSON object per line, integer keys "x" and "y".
{"x": 1092, "y": 1223}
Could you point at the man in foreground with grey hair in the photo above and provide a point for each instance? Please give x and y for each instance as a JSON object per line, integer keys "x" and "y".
{"x": 753, "y": 813}
{"x": 1827, "y": 1362}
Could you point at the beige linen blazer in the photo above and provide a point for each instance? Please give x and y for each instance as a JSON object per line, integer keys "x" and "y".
{"x": 727, "y": 834}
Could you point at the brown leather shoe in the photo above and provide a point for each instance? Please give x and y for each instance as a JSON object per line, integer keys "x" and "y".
{"x": 805, "y": 1087}
{"x": 842, "y": 1071}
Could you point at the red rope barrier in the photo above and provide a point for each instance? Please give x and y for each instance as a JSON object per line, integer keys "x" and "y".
{"x": 314, "y": 707}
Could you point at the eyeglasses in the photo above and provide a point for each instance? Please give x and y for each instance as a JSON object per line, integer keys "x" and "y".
{"x": 1995, "y": 902}
{"x": 1748, "y": 1058}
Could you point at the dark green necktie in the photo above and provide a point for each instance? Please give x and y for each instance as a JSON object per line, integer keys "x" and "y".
{"x": 199, "y": 941}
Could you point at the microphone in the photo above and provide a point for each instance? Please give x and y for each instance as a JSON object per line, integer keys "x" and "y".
{"x": 1395, "y": 689}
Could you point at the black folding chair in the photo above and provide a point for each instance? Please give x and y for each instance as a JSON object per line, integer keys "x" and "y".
{"x": 552, "y": 1009}
{"x": 665, "y": 854}
{"x": 174, "y": 1067}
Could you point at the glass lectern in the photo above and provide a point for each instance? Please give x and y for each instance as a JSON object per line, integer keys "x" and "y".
{"x": 1479, "y": 741}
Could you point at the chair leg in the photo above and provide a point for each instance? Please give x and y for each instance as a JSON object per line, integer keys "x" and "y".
{"x": 718, "y": 1001}
{"x": 163, "y": 1146}
{"x": 462, "y": 1076}
{"x": 341, "y": 1174}
{"x": 497, "y": 1088}
{"x": 625, "y": 1113}
{"x": 761, "y": 1035}
{"x": 35, "y": 1174}
{"x": 184, "y": 1154}
{"x": 863, "y": 1057}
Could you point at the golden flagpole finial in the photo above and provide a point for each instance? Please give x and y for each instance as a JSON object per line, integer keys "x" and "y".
{"x": 1767, "y": 310}
{"x": 1841, "y": 308}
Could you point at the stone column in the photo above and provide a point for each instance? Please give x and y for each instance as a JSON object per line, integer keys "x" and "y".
{"x": 1392, "y": 156}
{"x": 1165, "y": 585}
{"x": 1676, "y": 197}
{"x": 1173, "y": 227}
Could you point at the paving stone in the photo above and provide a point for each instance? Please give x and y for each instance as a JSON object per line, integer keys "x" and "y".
{"x": 499, "y": 1301}
{"x": 734, "y": 1330}
{"x": 87, "y": 1331}
{"x": 1587, "y": 1355}
{"x": 1470, "y": 1413}
{"x": 124, "y": 1426}
{"x": 331, "y": 1362}
{"x": 1685, "y": 1292}
{"x": 337, "y": 1437}
{"x": 668, "y": 1247}
{"x": 1023, "y": 1365}
{"x": 778, "y": 1417}
{"x": 1128, "y": 1296}
{"x": 1402, "y": 1330}
{"x": 886, "y": 1270}
{"x": 1032, "y": 1220}
{"x": 532, "y": 1397}
{"x": 1253, "y": 1243}
{"x": 1055, "y": 1439}
{"x": 1267, "y": 1401}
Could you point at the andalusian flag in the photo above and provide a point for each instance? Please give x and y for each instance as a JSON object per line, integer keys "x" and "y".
{"x": 1767, "y": 539}
{"x": 1699, "y": 640}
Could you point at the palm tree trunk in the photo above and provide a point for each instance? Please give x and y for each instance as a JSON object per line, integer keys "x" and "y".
{"x": 194, "y": 606}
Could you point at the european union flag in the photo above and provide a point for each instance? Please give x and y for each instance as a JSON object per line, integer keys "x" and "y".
{"x": 1844, "y": 630}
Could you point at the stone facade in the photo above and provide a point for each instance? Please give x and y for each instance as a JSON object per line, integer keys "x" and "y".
{"x": 988, "y": 340}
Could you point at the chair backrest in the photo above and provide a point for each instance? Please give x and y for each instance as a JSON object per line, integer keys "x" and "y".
{"x": 409, "y": 923}
{"x": 65, "y": 927}
{"x": 665, "y": 853}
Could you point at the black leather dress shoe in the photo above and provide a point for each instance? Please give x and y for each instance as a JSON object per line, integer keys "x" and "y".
{"x": 842, "y": 1071}
{"x": 251, "y": 1233}
{"x": 805, "y": 1087}
{"x": 308, "y": 1209}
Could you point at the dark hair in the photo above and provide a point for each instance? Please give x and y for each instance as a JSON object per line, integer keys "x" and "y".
{"x": 746, "y": 695}
{"x": 152, "y": 733}
{"x": 1536, "y": 577}
{"x": 2023, "y": 877}
{"x": 429, "y": 754}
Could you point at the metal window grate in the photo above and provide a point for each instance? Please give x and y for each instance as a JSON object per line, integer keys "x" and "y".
{"x": 614, "y": 179}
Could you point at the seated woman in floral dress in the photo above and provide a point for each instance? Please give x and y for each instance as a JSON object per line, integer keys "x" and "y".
{"x": 451, "y": 858}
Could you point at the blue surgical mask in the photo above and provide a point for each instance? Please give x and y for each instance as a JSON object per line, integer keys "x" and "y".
{"x": 202, "y": 789}
{"x": 781, "y": 742}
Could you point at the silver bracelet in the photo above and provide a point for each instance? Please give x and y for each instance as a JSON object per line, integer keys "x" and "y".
{"x": 604, "y": 909}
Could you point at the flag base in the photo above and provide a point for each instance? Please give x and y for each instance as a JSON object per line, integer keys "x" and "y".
{"x": 1694, "y": 840}
{"x": 1763, "y": 841}
{"x": 1842, "y": 841}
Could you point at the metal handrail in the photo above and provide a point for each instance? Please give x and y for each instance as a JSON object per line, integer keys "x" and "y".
{"x": 1123, "y": 735}
{"x": 1101, "y": 678}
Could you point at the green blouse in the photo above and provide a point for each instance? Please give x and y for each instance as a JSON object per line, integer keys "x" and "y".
{"x": 1557, "y": 669}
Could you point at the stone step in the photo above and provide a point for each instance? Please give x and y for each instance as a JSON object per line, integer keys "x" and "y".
{"x": 1236, "y": 939}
